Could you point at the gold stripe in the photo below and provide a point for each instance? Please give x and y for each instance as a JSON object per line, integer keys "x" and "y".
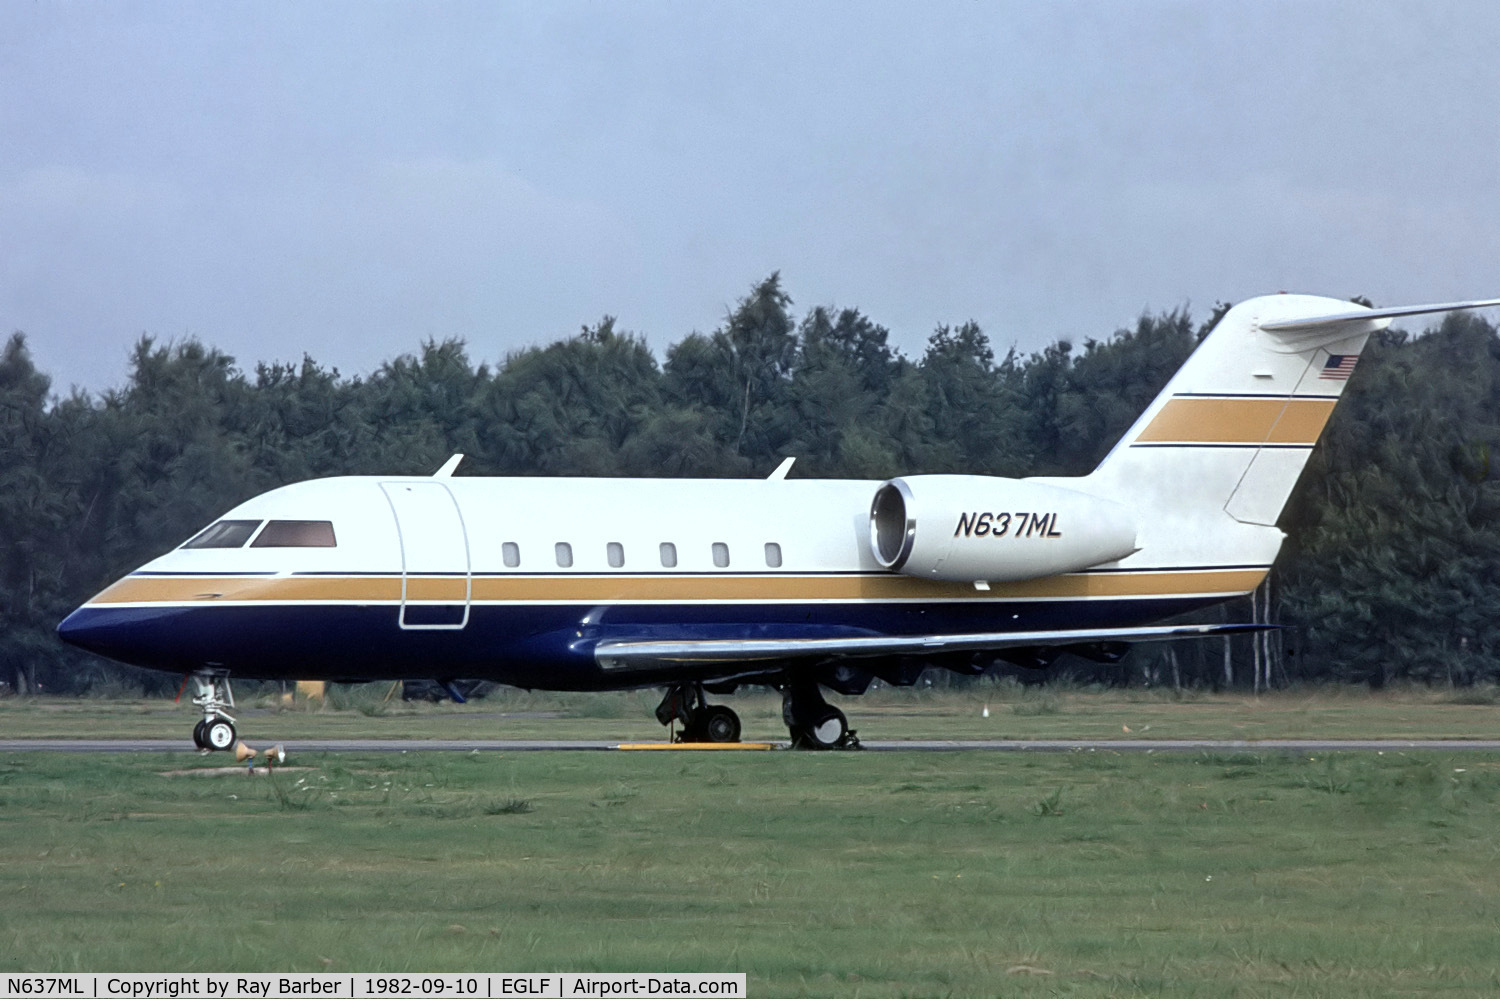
{"x": 603, "y": 589}
{"x": 608, "y": 589}
{"x": 442, "y": 589}
{"x": 1239, "y": 421}
{"x": 190, "y": 589}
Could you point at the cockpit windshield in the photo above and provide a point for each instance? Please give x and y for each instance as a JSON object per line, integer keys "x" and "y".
{"x": 224, "y": 534}
{"x": 296, "y": 534}
{"x": 277, "y": 534}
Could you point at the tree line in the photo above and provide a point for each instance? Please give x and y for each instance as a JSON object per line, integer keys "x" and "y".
{"x": 1390, "y": 572}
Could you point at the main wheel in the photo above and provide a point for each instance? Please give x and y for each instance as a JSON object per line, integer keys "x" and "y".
{"x": 827, "y": 732}
{"x": 198, "y": 739}
{"x": 720, "y": 724}
{"x": 218, "y": 734}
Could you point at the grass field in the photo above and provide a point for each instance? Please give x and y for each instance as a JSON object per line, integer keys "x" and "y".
{"x": 1084, "y": 874}
{"x": 845, "y": 874}
{"x": 1015, "y": 712}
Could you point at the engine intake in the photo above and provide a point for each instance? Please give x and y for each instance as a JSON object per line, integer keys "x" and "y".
{"x": 977, "y": 527}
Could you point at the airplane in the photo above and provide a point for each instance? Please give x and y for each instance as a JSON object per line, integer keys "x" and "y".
{"x": 703, "y": 586}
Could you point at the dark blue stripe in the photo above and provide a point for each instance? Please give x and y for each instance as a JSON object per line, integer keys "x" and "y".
{"x": 1250, "y": 395}
{"x": 216, "y": 572}
{"x": 544, "y": 647}
{"x": 1253, "y": 447}
{"x": 772, "y": 573}
{"x": 1176, "y": 568}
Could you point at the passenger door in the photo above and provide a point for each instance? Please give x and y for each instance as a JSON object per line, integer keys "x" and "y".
{"x": 436, "y": 579}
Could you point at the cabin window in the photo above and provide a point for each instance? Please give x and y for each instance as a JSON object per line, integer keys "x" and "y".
{"x": 773, "y": 555}
{"x": 510, "y": 554}
{"x": 668, "y": 555}
{"x": 616, "y": 553}
{"x": 721, "y": 555}
{"x": 296, "y": 534}
{"x": 224, "y": 534}
{"x": 564, "y": 555}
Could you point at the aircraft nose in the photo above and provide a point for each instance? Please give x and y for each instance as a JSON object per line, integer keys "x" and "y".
{"x": 126, "y": 635}
{"x": 83, "y": 628}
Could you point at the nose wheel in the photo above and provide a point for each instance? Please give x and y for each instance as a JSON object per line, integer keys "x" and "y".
{"x": 701, "y": 721}
{"x": 218, "y": 734}
{"x": 213, "y": 695}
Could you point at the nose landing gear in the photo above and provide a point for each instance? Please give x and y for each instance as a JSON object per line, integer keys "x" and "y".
{"x": 216, "y": 730}
{"x": 701, "y": 721}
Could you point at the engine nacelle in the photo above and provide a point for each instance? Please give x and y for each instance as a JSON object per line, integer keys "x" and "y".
{"x": 969, "y": 528}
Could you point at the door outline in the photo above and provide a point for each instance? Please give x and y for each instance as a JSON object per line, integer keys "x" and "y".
{"x": 390, "y": 489}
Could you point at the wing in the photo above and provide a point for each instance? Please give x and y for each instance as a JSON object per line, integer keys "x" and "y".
{"x": 625, "y": 655}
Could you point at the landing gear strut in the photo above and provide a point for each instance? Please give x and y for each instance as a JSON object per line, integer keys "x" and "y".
{"x": 701, "y": 721}
{"x": 216, "y": 730}
{"x": 812, "y": 721}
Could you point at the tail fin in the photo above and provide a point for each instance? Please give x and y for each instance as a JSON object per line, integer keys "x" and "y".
{"x": 1211, "y": 463}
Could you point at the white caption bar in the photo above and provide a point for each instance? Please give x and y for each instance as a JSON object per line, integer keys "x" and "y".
{"x": 604, "y": 985}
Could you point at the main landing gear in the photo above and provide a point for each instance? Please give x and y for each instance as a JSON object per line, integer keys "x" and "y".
{"x": 701, "y": 721}
{"x": 216, "y": 730}
{"x": 812, "y": 721}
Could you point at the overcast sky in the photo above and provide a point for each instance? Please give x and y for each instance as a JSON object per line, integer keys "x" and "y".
{"x": 346, "y": 180}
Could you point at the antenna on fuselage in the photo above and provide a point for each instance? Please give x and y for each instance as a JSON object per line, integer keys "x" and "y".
{"x": 449, "y": 466}
{"x": 781, "y": 469}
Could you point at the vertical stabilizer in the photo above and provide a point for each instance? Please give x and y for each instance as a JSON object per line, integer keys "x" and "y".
{"x": 1210, "y": 465}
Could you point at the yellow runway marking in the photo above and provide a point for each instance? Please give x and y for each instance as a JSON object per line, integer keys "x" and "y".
{"x": 699, "y": 745}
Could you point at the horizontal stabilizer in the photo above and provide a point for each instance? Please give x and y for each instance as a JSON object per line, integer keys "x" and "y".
{"x": 625, "y": 655}
{"x": 1324, "y": 323}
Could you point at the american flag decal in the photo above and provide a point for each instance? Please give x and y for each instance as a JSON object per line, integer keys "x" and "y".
{"x": 1338, "y": 367}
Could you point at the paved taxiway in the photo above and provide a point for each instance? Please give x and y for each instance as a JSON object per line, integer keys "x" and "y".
{"x": 917, "y": 745}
